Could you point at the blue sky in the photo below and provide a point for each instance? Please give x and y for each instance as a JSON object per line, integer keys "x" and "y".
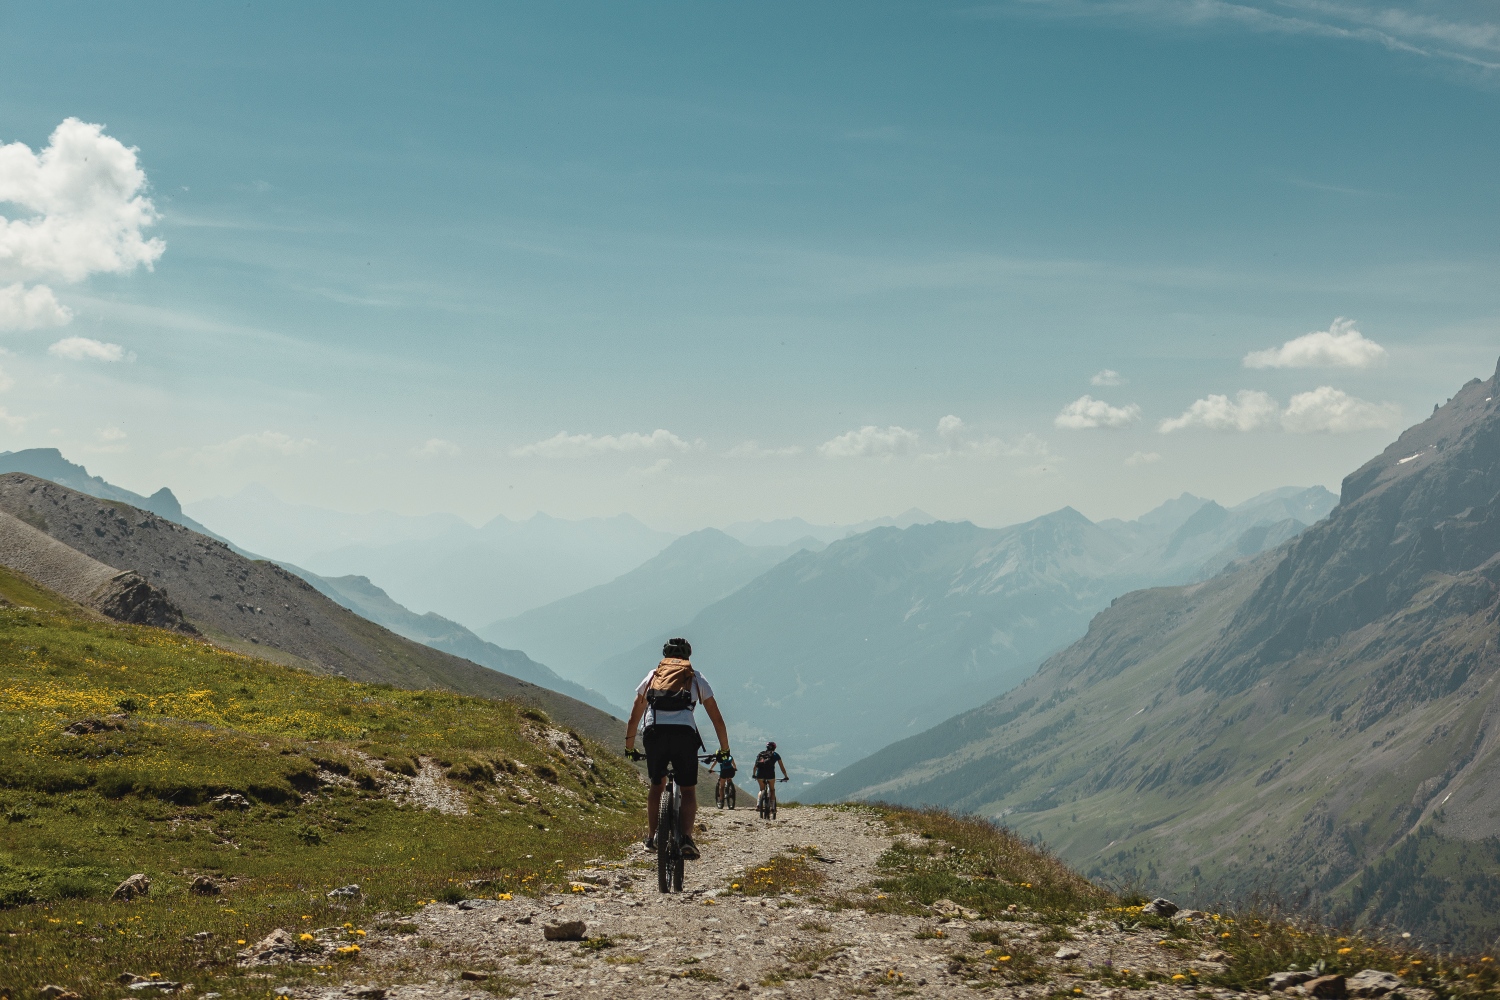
{"x": 402, "y": 250}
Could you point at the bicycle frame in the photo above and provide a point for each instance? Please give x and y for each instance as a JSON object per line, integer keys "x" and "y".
{"x": 669, "y": 860}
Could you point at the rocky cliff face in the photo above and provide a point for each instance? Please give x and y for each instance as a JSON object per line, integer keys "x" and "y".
{"x": 1427, "y": 507}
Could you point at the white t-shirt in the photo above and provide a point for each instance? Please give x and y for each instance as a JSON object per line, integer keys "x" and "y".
{"x": 701, "y": 693}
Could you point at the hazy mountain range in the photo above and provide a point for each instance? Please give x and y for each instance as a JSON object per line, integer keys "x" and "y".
{"x": 439, "y": 562}
{"x": 361, "y": 596}
{"x": 579, "y": 632}
{"x": 839, "y": 652}
{"x": 1322, "y": 720}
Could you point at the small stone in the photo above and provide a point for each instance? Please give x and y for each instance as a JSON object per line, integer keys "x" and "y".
{"x": 1222, "y": 957}
{"x": 202, "y": 936}
{"x": 230, "y": 800}
{"x": 567, "y": 930}
{"x": 473, "y": 976}
{"x": 1191, "y": 914}
{"x": 368, "y": 993}
{"x": 56, "y": 993}
{"x": 164, "y": 985}
{"x": 1278, "y": 981}
{"x": 1067, "y": 954}
{"x": 1160, "y": 908}
{"x": 204, "y": 886}
{"x": 346, "y": 892}
{"x": 126, "y": 978}
{"x": 135, "y": 885}
{"x": 524, "y": 920}
{"x": 1327, "y": 987}
{"x": 474, "y": 904}
{"x": 743, "y": 986}
{"x": 1372, "y": 983}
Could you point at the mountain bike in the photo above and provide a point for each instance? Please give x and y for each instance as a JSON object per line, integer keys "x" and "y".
{"x": 669, "y": 859}
{"x": 724, "y": 798}
{"x": 765, "y": 806}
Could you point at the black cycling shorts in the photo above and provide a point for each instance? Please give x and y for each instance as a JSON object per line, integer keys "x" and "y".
{"x": 678, "y": 744}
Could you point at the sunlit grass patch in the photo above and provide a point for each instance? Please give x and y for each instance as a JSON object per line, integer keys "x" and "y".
{"x": 782, "y": 874}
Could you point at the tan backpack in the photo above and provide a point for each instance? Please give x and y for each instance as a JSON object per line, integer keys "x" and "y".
{"x": 671, "y": 688}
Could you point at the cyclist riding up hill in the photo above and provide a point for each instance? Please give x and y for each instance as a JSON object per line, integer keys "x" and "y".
{"x": 663, "y": 710}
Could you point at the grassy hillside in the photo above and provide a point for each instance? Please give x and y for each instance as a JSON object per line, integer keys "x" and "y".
{"x": 259, "y": 608}
{"x": 330, "y": 771}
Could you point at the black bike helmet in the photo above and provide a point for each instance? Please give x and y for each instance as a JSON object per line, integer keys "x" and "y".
{"x": 677, "y": 649}
{"x": 771, "y": 745}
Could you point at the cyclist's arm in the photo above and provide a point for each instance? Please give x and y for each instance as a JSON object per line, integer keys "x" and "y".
{"x": 711, "y": 706}
{"x": 636, "y": 711}
{"x": 782, "y": 764}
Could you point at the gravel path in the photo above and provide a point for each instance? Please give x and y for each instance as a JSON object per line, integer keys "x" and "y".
{"x": 707, "y": 942}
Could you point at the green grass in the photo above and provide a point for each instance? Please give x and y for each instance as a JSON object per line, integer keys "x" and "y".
{"x": 978, "y": 865}
{"x": 80, "y": 813}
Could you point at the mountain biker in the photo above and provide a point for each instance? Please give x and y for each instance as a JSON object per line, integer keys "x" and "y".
{"x": 663, "y": 710}
{"x": 766, "y": 763}
{"x": 727, "y": 769}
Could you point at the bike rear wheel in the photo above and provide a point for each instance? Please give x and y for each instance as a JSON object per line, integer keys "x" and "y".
{"x": 666, "y": 840}
{"x": 729, "y": 795}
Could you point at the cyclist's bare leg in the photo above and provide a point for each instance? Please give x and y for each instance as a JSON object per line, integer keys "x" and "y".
{"x": 689, "y": 809}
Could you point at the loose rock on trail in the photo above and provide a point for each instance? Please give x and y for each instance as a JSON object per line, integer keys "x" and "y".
{"x": 711, "y": 942}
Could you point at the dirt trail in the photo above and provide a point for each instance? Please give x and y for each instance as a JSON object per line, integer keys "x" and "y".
{"x": 707, "y": 942}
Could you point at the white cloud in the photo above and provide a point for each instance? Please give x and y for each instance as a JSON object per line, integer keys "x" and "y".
{"x": 1143, "y": 458}
{"x": 871, "y": 442}
{"x": 23, "y": 308}
{"x": 565, "y": 445}
{"x": 1250, "y": 410}
{"x": 753, "y": 449}
{"x": 111, "y": 441}
{"x": 436, "y": 448}
{"x": 1086, "y": 413}
{"x": 958, "y": 443}
{"x": 1323, "y": 409}
{"x": 82, "y": 213}
{"x": 86, "y": 349}
{"x": 1107, "y": 377}
{"x": 86, "y": 210}
{"x": 1334, "y": 411}
{"x": 6, "y": 381}
{"x": 263, "y": 442}
{"x": 1339, "y": 346}
{"x": 12, "y": 423}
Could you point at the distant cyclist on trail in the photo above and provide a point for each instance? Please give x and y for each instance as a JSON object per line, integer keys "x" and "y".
{"x": 663, "y": 710}
{"x": 726, "y": 770}
{"x": 766, "y": 763}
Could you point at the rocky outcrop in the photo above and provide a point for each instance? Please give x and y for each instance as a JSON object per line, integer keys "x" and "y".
{"x": 124, "y": 596}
